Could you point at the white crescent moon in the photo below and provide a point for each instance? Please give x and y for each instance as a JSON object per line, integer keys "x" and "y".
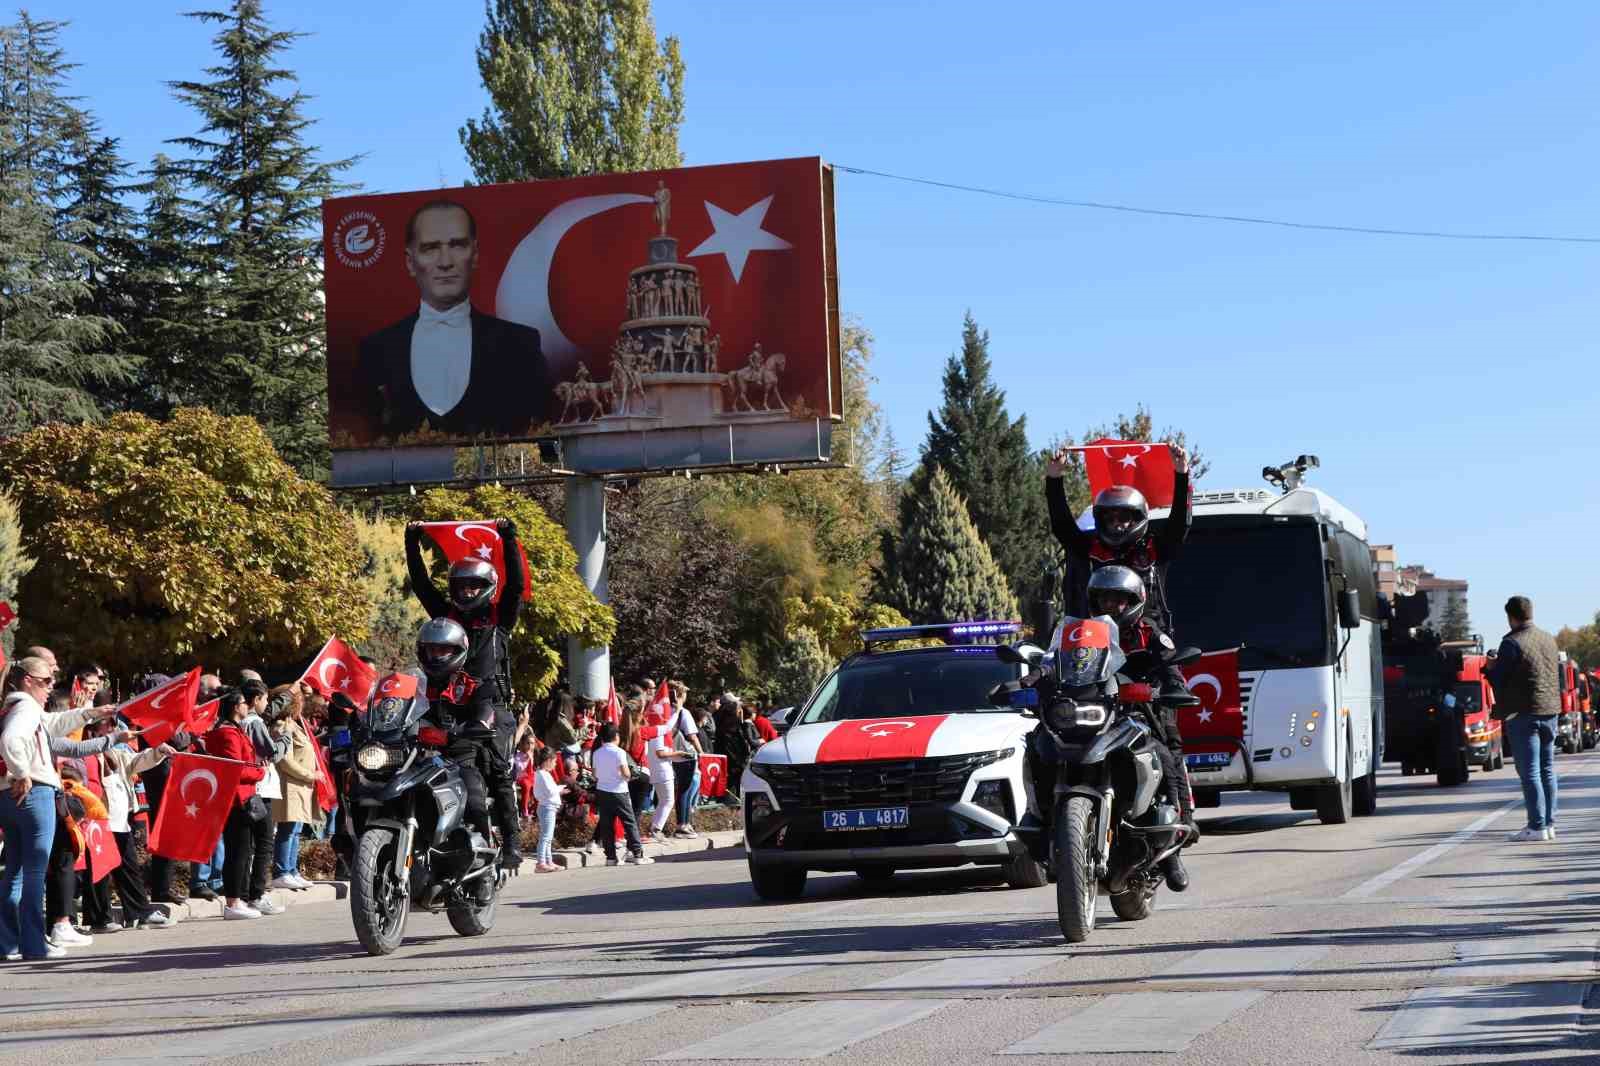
{"x": 322, "y": 671}
{"x": 461, "y": 533}
{"x": 155, "y": 703}
{"x": 1207, "y": 679}
{"x": 95, "y": 833}
{"x": 1076, "y": 634}
{"x": 524, "y": 293}
{"x": 203, "y": 775}
{"x": 881, "y": 725}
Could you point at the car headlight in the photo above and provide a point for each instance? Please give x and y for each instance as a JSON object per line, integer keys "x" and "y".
{"x": 759, "y": 809}
{"x": 373, "y": 757}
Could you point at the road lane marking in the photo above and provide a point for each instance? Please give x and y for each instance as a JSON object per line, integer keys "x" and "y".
{"x": 1372, "y": 886}
{"x": 526, "y": 1030}
{"x": 1244, "y": 964}
{"x": 819, "y": 1029}
{"x": 1546, "y": 1013}
{"x": 1138, "y": 1021}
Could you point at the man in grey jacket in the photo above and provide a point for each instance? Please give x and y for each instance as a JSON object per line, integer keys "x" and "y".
{"x": 1527, "y": 693}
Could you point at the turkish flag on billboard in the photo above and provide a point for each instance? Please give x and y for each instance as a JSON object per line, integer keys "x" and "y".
{"x": 200, "y": 792}
{"x": 476, "y": 540}
{"x": 337, "y": 668}
{"x": 571, "y": 301}
{"x": 1146, "y": 467}
{"x": 166, "y": 708}
{"x": 1214, "y": 678}
{"x": 100, "y": 853}
{"x": 713, "y": 776}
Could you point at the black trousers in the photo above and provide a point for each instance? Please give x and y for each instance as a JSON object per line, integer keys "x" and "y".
{"x": 159, "y": 874}
{"x": 60, "y": 879}
{"x": 130, "y": 881}
{"x": 610, "y": 806}
{"x": 247, "y": 861}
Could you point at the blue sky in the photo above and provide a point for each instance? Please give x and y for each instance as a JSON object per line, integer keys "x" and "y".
{"x": 1447, "y": 386}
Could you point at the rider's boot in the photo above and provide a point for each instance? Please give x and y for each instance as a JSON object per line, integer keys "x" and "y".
{"x": 1172, "y": 868}
{"x": 505, "y": 810}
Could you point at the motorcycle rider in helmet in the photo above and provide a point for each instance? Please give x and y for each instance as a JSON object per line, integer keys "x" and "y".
{"x": 1118, "y": 592}
{"x": 475, "y": 692}
{"x": 1122, "y": 535}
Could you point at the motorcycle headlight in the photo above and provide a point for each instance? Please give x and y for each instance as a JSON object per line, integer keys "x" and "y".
{"x": 372, "y": 757}
{"x": 1070, "y": 714}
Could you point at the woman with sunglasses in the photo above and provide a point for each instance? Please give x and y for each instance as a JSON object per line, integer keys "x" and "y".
{"x": 28, "y": 803}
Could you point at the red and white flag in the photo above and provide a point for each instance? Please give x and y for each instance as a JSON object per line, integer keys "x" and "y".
{"x": 337, "y": 668}
{"x": 1214, "y": 678}
{"x": 194, "y": 808}
{"x": 657, "y": 714}
{"x": 200, "y": 723}
{"x": 1146, "y": 467}
{"x": 100, "y": 853}
{"x": 475, "y": 540}
{"x": 713, "y": 776}
{"x": 880, "y": 738}
{"x": 613, "y": 710}
{"x": 166, "y": 708}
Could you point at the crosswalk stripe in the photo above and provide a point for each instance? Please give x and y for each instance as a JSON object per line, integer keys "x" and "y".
{"x": 1500, "y": 1015}
{"x": 538, "y": 1027}
{"x": 1244, "y": 964}
{"x": 1138, "y": 1021}
{"x": 820, "y": 1029}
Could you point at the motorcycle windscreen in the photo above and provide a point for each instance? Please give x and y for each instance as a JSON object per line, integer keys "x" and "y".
{"x": 398, "y": 701}
{"x": 1087, "y": 651}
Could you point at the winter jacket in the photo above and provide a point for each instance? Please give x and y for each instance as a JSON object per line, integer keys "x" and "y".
{"x": 228, "y": 741}
{"x": 26, "y": 732}
{"x": 1526, "y": 674}
{"x": 298, "y": 769}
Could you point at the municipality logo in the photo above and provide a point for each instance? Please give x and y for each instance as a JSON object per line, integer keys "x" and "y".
{"x": 359, "y": 239}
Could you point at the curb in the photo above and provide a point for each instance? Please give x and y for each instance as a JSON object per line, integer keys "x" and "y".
{"x": 577, "y": 858}
{"x": 193, "y": 909}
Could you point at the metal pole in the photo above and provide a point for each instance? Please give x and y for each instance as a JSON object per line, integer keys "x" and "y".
{"x": 589, "y": 669}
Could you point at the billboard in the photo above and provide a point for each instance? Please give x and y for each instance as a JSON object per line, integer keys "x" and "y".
{"x": 659, "y": 320}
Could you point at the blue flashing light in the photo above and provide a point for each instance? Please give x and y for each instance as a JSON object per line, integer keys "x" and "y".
{"x": 949, "y": 632}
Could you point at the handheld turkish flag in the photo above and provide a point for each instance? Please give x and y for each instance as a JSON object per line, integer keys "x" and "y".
{"x": 338, "y": 669}
{"x": 1146, "y": 467}
{"x": 194, "y": 808}
{"x": 100, "y": 853}
{"x": 613, "y": 705}
{"x": 656, "y": 715}
{"x": 1214, "y": 678}
{"x": 166, "y": 708}
{"x": 327, "y": 792}
{"x": 713, "y": 775}
{"x": 475, "y": 540}
{"x": 200, "y": 723}
{"x": 7, "y": 616}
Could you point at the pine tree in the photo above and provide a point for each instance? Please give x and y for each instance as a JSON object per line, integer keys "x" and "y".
{"x": 575, "y": 87}
{"x": 53, "y": 342}
{"x": 986, "y": 456}
{"x": 939, "y": 568}
{"x": 166, "y": 291}
{"x": 1456, "y": 623}
{"x": 258, "y": 189}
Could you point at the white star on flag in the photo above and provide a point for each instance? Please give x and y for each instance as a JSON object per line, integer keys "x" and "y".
{"x": 484, "y": 551}
{"x": 192, "y": 810}
{"x": 882, "y": 733}
{"x": 736, "y": 236}
{"x": 1205, "y": 715}
{"x": 1129, "y": 460}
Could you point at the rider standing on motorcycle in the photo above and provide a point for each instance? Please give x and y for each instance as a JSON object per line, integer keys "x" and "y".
{"x": 472, "y": 684}
{"x": 1118, "y": 592}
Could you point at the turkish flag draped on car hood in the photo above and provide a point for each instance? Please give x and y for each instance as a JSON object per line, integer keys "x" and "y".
{"x": 475, "y": 540}
{"x": 880, "y": 738}
{"x": 1146, "y": 467}
{"x": 199, "y": 794}
{"x": 337, "y": 668}
{"x": 1214, "y": 678}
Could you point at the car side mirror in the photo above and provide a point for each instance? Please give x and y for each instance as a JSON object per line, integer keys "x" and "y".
{"x": 1349, "y": 609}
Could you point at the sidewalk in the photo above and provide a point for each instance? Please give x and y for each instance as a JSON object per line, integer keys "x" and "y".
{"x": 571, "y": 858}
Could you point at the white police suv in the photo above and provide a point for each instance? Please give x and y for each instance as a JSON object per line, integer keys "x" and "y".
{"x": 897, "y": 761}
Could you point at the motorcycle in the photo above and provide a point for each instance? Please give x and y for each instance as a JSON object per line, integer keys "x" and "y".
{"x": 1100, "y": 816}
{"x": 412, "y": 847}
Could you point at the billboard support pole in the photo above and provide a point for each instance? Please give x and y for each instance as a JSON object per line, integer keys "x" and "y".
{"x": 588, "y": 669}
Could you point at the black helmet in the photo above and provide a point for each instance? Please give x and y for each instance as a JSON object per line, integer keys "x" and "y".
{"x": 1118, "y": 592}
{"x": 472, "y": 584}
{"x": 1113, "y": 509}
{"x": 441, "y": 647}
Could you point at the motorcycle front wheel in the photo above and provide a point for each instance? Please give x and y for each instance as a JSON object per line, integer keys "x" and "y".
{"x": 1077, "y": 887}
{"x": 378, "y": 903}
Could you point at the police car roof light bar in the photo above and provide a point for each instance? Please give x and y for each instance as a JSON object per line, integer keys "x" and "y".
{"x": 949, "y": 632}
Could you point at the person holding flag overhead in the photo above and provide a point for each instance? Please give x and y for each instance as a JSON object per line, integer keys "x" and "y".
{"x": 487, "y": 580}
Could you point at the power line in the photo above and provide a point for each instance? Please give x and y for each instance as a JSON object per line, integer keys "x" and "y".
{"x": 1247, "y": 219}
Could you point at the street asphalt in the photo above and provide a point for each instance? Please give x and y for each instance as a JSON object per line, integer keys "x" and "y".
{"x": 1417, "y": 934}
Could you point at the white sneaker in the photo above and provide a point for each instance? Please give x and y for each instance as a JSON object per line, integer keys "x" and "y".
{"x": 51, "y": 951}
{"x": 614, "y": 862}
{"x": 63, "y": 933}
{"x": 688, "y": 831}
{"x": 242, "y": 911}
{"x": 1549, "y": 832}
{"x": 266, "y": 906}
{"x": 1522, "y": 835}
{"x": 286, "y": 881}
{"x": 158, "y": 919}
{"x": 301, "y": 883}
{"x": 640, "y": 860}
{"x": 14, "y": 956}
{"x": 109, "y": 927}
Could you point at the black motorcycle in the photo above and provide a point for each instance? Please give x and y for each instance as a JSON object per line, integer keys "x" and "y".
{"x": 1100, "y": 813}
{"x": 412, "y": 847}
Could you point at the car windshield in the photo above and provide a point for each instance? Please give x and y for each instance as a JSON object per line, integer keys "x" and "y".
{"x": 1469, "y": 697}
{"x": 1259, "y": 586}
{"x": 948, "y": 681}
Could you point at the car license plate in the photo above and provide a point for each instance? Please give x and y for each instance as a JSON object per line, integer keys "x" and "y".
{"x": 1209, "y": 760}
{"x": 868, "y": 818}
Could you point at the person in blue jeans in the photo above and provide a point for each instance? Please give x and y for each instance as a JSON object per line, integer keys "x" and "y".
{"x": 1527, "y": 691}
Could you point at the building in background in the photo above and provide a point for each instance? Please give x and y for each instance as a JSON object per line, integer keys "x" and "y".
{"x": 1448, "y": 613}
